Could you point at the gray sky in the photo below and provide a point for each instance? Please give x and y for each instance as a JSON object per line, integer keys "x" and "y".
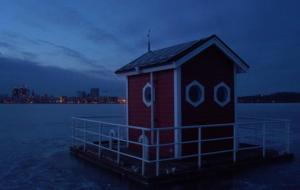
{"x": 78, "y": 44}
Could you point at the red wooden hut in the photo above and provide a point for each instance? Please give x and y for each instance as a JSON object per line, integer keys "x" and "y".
{"x": 188, "y": 84}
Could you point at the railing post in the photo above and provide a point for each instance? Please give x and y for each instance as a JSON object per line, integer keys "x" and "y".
{"x": 84, "y": 133}
{"x": 111, "y": 137}
{"x": 143, "y": 152}
{"x": 199, "y": 147}
{"x": 264, "y": 139}
{"x": 235, "y": 143}
{"x": 157, "y": 153}
{"x": 287, "y": 125}
{"x": 73, "y": 131}
{"x": 99, "y": 139}
{"x": 118, "y": 146}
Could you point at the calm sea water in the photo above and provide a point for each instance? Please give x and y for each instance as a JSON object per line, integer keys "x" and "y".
{"x": 34, "y": 153}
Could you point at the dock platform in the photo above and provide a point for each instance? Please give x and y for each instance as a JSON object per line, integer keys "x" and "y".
{"x": 94, "y": 141}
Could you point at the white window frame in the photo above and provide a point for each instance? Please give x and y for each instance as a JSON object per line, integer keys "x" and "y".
{"x": 148, "y": 104}
{"x": 187, "y": 94}
{"x": 228, "y": 98}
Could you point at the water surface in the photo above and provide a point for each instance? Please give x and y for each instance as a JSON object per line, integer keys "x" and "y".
{"x": 34, "y": 142}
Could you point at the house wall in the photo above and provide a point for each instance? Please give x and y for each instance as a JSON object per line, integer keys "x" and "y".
{"x": 164, "y": 108}
{"x": 209, "y": 68}
{"x": 140, "y": 115}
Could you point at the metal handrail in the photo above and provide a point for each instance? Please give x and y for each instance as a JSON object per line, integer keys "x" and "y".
{"x": 112, "y": 124}
{"x": 256, "y": 125}
{"x": 264, "y": 118}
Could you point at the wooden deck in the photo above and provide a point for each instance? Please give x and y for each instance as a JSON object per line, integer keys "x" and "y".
{"x": 175, "y": 170}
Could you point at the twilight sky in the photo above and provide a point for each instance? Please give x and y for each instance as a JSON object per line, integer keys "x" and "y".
{"x": 60, "y": 47}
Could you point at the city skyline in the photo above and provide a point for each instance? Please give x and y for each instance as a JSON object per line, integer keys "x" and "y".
{"x": 89, "y": 91}
{"x": 29, "y": 96}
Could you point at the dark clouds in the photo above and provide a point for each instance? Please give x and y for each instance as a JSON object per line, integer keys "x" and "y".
{"x": 52, "y": 80}
{"x": 96, "y": 37}
{"x": 6, "y": 45}
{"x": 71, "y": 53}
{"x": 29, "y": 56}
{"x": 62, "y": 15}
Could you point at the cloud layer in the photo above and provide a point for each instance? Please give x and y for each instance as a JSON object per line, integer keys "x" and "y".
{"x": 94, "y": 38}
{"x": 51, "y": 80}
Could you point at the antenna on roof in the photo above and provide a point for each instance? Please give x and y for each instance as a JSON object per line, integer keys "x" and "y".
{"x": 149, "y": 44}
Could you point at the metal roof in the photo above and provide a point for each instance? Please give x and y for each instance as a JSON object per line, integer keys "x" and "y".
{"x": 163, "y": 56}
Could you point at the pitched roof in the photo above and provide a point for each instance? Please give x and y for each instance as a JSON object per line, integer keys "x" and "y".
{"x": 165, "y": 56}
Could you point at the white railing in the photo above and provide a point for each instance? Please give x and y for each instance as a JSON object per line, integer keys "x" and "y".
{"x": 259, "y": 134}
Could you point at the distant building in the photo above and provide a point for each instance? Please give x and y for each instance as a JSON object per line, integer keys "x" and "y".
{"x": 63, "y": 99}
{"x": 20, "y": 92}
{"x": 94, "y": 93}
{"x": 81, "y": 94}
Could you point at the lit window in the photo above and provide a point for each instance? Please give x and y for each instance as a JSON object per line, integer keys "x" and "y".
{"x": 222, "y": 94}
{"x": 194, "y": 93}
{"x": 147, "y": 99}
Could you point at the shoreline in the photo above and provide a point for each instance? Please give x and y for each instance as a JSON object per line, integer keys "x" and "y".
{"x": 60, "y": 103}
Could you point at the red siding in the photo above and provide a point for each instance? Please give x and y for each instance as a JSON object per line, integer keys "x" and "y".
{"x": 209, "y": 68}
{"x": 164, "y": 98}
{"x": 164, "y": 107}
{"x": 140, "y": 115}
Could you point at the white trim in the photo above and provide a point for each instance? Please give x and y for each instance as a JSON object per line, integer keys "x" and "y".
{"x": 221, "y": 46}
{"x": 126, "y": 105}
{"x": 235, "y": 129}
{"x": 187, "y": 93}
{"x": 149, "y": 70}
{"x": 148, "y": 104}
{"x": 228, "y": 98}
{"x": 235, "y": 94}
{"x": 213, "y": 41}
{"x": 177, "y": 111}
{"x": 152, "y": 106}
{"x": 126, "y": 110}
{"x": 192, "y": 54}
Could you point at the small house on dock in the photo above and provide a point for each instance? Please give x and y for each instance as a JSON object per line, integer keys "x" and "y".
{"x": 181, "y": 118}
{"x": 187, "y": 84}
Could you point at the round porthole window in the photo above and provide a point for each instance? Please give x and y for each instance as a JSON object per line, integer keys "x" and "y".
{"x": 222, "y": 94}
{"x": 147, "y": 99}
{"x": 194, "y": 93}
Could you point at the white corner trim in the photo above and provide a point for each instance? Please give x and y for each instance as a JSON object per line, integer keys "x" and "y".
{"x": 187, "y": 93}
{"x": 126, "y": 105}
{"x": 126, "y": 111}
{"x": 149, "y": 70}
{"x": 152, "y": 106}
{"x": 147, "y": 103}
{"x": 221, "y": 46}
{"x": 228, "y": 98}
{"x": 177, "y": 111}
{"x": 235, "y": 95}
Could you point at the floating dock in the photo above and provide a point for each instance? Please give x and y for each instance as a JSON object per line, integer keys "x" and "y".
{"x": 107, "y": 145}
